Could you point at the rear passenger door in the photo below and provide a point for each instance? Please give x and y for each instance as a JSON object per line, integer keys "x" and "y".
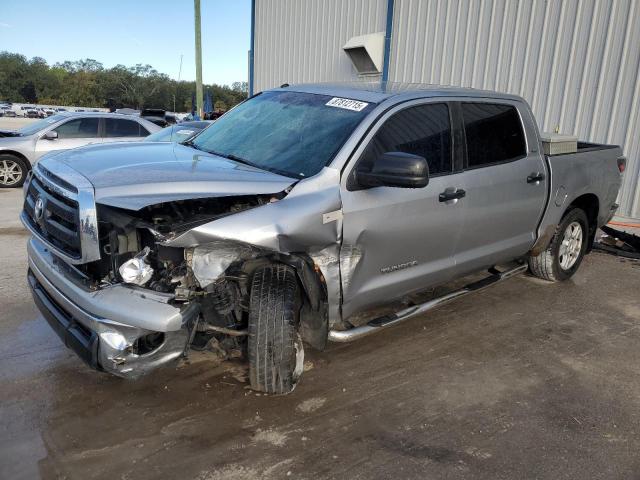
{"x": 123, "y": 130}
{"x": 505, "y": 184}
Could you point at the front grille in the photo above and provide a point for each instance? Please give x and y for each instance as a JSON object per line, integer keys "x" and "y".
{"x": 57, "y": 220}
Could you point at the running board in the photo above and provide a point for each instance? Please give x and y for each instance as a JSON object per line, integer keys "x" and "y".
{"x": 377, "y": 324}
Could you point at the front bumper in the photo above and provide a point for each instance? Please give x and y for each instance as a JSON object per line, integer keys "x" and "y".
{"x": 102, "y": 326}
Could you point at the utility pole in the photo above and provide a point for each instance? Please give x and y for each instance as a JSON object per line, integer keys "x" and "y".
{"x": 196, "y": 5}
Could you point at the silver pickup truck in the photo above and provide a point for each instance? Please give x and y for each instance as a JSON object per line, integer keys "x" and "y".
{"x": 306, "y": 214}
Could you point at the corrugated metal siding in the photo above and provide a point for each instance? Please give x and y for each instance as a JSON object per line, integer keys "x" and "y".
{"x": 299, "y": 41}
{"x": 575, "y": 61}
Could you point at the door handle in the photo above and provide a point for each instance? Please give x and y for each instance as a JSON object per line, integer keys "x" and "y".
{"x": 535, "y": 177}
{"x": 450, "y": 194}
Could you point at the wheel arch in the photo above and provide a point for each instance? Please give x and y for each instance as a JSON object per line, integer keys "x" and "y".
{"x": 589, "y": 203}
{"x": 19, "y": 155}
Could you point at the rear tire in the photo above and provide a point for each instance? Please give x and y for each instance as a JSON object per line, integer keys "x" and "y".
{"x": 13, "y": 171}
{"x": 275, "y": 348}
{"x": 565, "y": 252}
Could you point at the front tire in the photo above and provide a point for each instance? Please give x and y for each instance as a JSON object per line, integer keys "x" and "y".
{"x": 275, "y": 349}
{"x": 13, "y": 171}
{"x": 565, "y": 252}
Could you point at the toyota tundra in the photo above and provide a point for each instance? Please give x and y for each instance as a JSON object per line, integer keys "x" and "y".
{"x": 306, "y": 214}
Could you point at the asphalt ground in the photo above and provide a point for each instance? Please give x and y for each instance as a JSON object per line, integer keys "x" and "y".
{"x": 526, "y": 379}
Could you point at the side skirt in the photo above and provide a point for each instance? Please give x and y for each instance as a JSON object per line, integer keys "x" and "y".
{"x": 378, "y": 324}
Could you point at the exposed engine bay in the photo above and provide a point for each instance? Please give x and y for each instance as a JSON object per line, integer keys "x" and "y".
{"x": 215, "y": 275}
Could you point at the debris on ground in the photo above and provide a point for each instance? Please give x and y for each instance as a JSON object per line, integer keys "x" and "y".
{"x": 618, "y": 242}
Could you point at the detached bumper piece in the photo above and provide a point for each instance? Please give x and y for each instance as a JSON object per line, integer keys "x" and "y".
{"x": 75, "y": 336}
{"x": 618, "y": 242}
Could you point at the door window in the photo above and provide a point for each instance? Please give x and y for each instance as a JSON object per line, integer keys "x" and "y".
{"x": 79, "y": 128}
{"x": 115, "y": 127}
{"x": 424, "y": 130}
{"x": 494, "y": 133}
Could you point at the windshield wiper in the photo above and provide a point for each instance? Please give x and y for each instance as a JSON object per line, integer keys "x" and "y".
{"x": 235, "y": 158}
{"x": 189, "y": 143}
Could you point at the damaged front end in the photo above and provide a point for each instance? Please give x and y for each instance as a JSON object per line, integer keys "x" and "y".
{"x": 206, "y": 286}
{"x": 152, "y": 279}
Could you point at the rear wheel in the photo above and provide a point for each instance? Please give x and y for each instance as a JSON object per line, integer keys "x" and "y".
{"x": 13, "y": 171}
{"x": 566, "y": 250}
{"x": 275, "y": 352}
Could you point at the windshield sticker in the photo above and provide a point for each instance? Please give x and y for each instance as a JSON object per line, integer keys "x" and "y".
{"x": 347, "y": 104}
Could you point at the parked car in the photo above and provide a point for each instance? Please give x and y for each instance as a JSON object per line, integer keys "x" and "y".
{"x": 308, "y": 213}
{"x": 7, "y": 111}
{"x": 155, "y": 115}
{"x": 178, "y": 133}
{"x": 49, "y": 111}
{"x": 25, "y": 109}
{"x": 20, "y": 149}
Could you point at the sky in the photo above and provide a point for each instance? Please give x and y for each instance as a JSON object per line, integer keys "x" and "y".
{"x": 154, "y": 32}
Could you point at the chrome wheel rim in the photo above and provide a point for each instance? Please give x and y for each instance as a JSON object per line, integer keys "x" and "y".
{"x": 10, "y": 172}
{"x": 571, "y": 246}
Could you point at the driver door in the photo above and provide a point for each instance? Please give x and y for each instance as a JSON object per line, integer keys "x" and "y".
{"x": 400, "y": 240}
{"x": 73, "y": 133}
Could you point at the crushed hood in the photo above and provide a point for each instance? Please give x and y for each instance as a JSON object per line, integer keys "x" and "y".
{"x": 135, "y": 175}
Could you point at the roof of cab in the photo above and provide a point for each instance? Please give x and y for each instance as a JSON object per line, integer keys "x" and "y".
{"x": 67, "y": 113}
{"x": 378, "y": 91}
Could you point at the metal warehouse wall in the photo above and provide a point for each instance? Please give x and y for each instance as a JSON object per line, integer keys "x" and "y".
{"x": 299, "y": 41}
{"x": 576, "y": 61}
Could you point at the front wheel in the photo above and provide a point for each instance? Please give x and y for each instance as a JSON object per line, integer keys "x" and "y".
{"x": 276, "y": 356}
{"x": 13, "y": 171}
{"x": 566, "y": 250}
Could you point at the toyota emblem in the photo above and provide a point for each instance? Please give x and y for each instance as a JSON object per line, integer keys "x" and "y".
{"x": 38, "y": 210}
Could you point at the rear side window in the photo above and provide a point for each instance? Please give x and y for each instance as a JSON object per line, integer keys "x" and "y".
{"x": 494, "y": 133}
{"x": 424, "y": 130}
{"x": 115, "y": 127}
{"x": 79, "y": 128}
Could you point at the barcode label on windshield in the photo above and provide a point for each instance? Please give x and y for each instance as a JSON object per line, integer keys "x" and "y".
{"x": 347, "y": 104}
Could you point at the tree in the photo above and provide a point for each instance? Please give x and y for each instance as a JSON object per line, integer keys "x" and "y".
{"x": 86, "y": 82}
{"x": 28, "y": 92}
{"x": 220, "y": 105}
{"x": 242, "y": 87}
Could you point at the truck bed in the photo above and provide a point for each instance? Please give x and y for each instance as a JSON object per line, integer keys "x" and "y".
{"x": 592, "y": 170}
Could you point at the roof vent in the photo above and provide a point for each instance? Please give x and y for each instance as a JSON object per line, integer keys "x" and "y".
{"x": 366, "y": 53}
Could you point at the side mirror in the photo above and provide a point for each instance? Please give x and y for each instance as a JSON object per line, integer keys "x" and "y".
{"x": 394, "y": 169}
{"x": 50, "y": 135}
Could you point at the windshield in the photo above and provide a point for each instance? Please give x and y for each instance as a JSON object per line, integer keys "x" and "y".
{"x": 291, "y": 133}
{"x": 35, "y": 127}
